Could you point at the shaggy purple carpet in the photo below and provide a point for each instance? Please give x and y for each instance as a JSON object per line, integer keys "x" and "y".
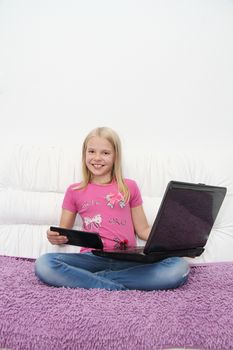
{"x": 34, "y": 316}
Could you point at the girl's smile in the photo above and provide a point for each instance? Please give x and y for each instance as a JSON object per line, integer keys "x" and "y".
{"x": 97, "y": 166}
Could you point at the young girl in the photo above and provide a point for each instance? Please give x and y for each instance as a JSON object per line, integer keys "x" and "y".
{"x": 112, "y": 206}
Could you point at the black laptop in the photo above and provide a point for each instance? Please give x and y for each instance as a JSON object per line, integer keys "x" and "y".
{"x": 182, "y": 226}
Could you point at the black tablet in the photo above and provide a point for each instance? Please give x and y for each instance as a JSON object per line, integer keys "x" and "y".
{"x": 80, "y": 238}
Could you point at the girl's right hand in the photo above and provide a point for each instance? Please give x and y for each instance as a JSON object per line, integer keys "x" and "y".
{"x": 55, "y": 238}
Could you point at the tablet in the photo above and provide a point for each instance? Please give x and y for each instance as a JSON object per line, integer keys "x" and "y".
{"x": 80, "y": 238}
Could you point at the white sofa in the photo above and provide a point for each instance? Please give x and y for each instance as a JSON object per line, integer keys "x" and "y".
{"x": 33, "y": 180}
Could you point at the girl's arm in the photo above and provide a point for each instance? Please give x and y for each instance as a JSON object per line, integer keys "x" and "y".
{"x": 66, "y": 221}
{"x": 141, "y": 226}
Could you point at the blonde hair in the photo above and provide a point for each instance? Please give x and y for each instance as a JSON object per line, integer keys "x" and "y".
{"x": 112, "y": 137}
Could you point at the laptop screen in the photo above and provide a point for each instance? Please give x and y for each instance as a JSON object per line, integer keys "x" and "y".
{"x": 185, "y": 217}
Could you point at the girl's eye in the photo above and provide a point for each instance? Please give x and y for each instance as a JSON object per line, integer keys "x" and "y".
{"x": 90, "y": 151}
{"x": 106, "y": 153}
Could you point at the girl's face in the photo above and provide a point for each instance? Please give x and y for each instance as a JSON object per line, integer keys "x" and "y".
{"x": 100, "y": 158}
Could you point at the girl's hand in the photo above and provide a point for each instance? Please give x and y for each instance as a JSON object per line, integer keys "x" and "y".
{"x": 55, "y": 238}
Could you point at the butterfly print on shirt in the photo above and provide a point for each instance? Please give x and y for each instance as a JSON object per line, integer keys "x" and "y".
{"x": 115, "y": 198}
{"x": 92, "y": 223}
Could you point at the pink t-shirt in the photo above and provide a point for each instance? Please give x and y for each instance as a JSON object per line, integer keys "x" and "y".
{"x": 103, "y": 210}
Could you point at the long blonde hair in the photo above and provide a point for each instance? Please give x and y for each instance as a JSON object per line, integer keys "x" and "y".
{"x": 112, "y": 137}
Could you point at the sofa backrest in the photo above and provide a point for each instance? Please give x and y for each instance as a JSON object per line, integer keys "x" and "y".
{"x": 33, "y": 180}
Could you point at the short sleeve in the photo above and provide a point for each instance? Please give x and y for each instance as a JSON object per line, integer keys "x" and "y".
{"x": 135, "y": 194}
{"x": 68, "y": 201}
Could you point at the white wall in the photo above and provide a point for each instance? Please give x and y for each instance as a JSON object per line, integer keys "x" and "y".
{"x": 67, "y": 66}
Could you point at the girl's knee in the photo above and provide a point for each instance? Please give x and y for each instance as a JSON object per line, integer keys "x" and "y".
{"x": 43, "y": 266}
{"x": 179, "y": 271}
{"x": 169, "y": 273}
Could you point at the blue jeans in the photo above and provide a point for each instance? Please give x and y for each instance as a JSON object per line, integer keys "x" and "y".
{"x": 85, "y": 270}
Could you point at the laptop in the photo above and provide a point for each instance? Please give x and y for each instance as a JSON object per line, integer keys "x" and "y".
{"x": 182, "y": 226}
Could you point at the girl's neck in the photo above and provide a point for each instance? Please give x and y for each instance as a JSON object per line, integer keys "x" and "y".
{"x": 101, "y": 181}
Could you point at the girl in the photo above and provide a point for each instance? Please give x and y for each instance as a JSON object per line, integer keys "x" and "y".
{"x": 112, "y": 206}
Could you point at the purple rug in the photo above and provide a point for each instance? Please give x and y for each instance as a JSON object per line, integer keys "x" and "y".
{"x": 34, "y": 316}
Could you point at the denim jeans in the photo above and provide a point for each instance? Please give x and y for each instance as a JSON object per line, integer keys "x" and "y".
{"x": 85, "y": 270}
